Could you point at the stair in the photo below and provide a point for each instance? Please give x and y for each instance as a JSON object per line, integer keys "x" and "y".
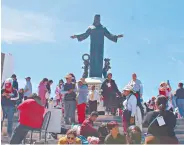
{"x": 179, "y": 129}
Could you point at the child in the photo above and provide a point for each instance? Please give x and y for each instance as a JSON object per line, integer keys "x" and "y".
{"x": 58, "y": 93}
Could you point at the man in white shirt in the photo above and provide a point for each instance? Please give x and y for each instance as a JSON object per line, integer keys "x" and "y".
{"x": 137, "y": 86}
{"x": 130, "y": 105}
{"x": 93, "y": 98}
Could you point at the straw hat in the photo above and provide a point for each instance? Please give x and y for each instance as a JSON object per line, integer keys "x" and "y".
{"x": 82, "y": 80}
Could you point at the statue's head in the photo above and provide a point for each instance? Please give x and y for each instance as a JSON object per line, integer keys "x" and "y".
{"x": 97, "y": 20}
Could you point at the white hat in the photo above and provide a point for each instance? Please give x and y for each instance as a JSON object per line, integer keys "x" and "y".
{"x": 128, "y": 88}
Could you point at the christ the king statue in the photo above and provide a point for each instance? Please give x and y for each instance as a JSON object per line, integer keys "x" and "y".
{"x": 96, "y": 32}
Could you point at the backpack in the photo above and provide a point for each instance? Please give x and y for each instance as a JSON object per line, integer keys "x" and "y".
{"x": 83, "y": 139}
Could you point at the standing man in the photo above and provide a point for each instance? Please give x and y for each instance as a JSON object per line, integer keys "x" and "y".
{"x": 93, "y": 98}
{"x": 109, "y": 92}
{"x": 69, "y": 100}
{"x": 15, "y": 83}
{"x": 137, "y": 86}
{"x": 82, "y": 100}
{"x": 180, "y": 99}
{"x": 28, "y": 88}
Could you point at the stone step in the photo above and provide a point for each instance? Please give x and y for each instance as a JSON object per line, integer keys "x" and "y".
{"x": 179, "y": 127}
{"x": 179, "y": 130}
{"x": 181, "y": 141}
{"x": 105, "y": 118}
{"x": 180, "y": 122}
{"x": 180, "y": 138}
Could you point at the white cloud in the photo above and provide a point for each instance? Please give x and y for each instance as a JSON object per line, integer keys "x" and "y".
{"x": 21, "y": 26}
{"x": 178, "y": 61}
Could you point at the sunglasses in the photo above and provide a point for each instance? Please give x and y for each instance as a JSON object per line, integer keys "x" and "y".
{"x": 72, "y": 138}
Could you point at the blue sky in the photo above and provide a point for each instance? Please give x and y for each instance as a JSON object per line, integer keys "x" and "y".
{"x": 37, "y": 34}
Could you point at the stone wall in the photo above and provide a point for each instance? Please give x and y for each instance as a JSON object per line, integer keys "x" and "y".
{"x": 2, "y": 63}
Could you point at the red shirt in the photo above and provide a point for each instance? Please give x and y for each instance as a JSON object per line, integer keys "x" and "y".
{"x": 31, "y": 114}
{"x": 164, "y": 92}
{"x": 87, "y": 129}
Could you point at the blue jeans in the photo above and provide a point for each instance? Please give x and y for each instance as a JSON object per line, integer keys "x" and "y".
{"x": 9, "y": 112}
{"x": 69, "y": 112}
{"x": 174, "y": 101}
{"x": 180, "y": 104}
{"x": 19, "y": 134}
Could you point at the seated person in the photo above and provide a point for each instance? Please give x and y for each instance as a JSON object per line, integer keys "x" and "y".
{"x": 114, "y": 137}
{"x": 87, "y": 128}
{"x": 31, "y": 117}
{"x": 134, "y": 135}
{"x": 103, "y": 132}
{"x": 70, "y": 138}
{"x": 161, "y": 124}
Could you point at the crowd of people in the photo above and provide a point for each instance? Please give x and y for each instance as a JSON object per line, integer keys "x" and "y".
{"x": 158, "y": 114}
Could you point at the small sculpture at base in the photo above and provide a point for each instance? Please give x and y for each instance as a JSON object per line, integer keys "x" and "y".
{"x": 106, "y": 67}
{"x": 86, "y": 65}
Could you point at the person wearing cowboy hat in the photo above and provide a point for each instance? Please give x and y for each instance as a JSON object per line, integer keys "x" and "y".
{"x": 82, "y": 100}
{"x": 69, "y": 92}
{"x": 28, "y": 88}
{"x": 130, "y": 105}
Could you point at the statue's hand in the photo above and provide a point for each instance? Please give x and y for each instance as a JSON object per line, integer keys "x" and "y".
{"x": 73, "y": 37}
{"x": 120, "y": 36}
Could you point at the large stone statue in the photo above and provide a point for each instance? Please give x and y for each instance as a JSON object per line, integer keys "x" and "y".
{"x": 96, "y": 32}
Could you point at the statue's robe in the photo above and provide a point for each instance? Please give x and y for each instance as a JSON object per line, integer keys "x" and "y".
{"x": 96, "y": 34}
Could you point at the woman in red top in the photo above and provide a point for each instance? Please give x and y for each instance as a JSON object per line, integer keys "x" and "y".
{"x": 164, "y": 89}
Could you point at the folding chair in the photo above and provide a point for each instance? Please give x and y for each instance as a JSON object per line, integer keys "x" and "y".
{"x": 43, "y": 129}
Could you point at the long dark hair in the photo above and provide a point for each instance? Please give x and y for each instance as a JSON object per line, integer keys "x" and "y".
{"x": 45, "y": 80}
{"x": 134, "y": 135}
{"x": 102, "y": 130}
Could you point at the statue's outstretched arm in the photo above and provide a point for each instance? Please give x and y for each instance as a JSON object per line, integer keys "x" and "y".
{"x": 111, "y": 36}
{"x": 83, "y": 36}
